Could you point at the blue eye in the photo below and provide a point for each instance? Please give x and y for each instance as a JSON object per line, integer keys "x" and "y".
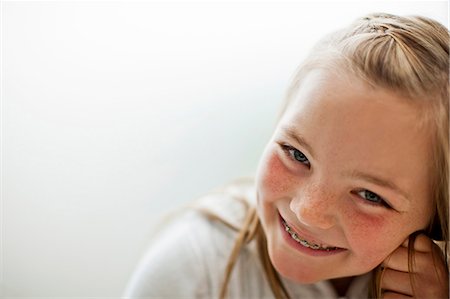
{"x": 372, "y": 198}
{"x": 295, "y": 154}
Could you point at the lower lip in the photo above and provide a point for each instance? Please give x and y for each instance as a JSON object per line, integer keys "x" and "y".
{"x": 306, "y": 250}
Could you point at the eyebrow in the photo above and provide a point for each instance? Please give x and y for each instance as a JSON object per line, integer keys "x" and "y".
{"x": 291, "y": 133}
{"x": 379, "y": 181}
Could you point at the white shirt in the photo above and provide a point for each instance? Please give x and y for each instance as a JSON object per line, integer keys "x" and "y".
{"x": 187, "y": 260}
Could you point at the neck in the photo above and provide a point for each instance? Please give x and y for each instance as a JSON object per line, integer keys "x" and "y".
{"x": 341, "y": 285}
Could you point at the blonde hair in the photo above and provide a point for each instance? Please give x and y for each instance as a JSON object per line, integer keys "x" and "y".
{"x": 407, "y": 55}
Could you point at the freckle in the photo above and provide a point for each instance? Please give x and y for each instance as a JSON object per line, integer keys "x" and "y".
{"x": 363, "y": 225}
{"x": 276, "y": 178}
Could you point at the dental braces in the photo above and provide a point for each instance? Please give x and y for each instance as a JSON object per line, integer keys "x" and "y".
{"x": 303, "y": 241}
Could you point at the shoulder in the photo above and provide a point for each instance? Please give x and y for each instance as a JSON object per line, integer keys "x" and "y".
{"x": 188, "y": 257}
{"x": 178, "y": 261}
{"x": 230, "y": 202}
{"x": 168, "y": 261}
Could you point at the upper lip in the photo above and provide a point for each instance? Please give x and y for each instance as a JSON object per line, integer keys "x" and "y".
{"x": 306, "y": 235}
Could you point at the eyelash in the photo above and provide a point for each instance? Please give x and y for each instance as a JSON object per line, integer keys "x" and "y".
{"x": 378, "y": 202}
{"x": 291, "y": 151}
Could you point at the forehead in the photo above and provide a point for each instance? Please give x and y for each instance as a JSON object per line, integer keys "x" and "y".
{"x": 342, "y": 97}
{"x": 352, "y": 126}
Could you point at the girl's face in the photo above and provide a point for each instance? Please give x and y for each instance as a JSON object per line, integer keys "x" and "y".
{"x": 344, "y": 179}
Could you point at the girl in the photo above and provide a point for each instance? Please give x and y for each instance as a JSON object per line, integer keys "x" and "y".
{"x": 351, "y": 194}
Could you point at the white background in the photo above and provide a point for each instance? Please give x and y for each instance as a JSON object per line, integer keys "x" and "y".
{"x": 114, "y": 113}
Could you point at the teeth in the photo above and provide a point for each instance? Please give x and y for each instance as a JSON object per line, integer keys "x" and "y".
{"x": 315, "y": 246}
{"x": 304, "y": 242}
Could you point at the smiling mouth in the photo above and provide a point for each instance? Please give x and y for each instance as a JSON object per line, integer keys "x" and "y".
{"x": 304, "y": 242}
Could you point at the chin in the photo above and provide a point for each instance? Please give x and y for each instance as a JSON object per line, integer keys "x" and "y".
{"x": 297, "y": 276}
{"x": 298, "y": 273}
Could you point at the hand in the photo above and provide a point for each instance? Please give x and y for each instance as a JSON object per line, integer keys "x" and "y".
{"x": 430, "y": 275}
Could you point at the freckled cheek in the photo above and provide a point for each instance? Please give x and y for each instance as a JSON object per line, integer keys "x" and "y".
{"x": 273, "y": 177}
{"x": 369, "y": 238}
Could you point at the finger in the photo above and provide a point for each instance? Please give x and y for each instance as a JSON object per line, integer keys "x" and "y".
{"x": 396, "y": 281}
{"x": 398, "y": 260}
{"x": 405, "y": 243}
{"x": 393, "y": 295}
{"x": 422, "y": 243}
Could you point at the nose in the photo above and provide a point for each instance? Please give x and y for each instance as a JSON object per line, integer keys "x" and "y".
{"x": 315, "y": 207}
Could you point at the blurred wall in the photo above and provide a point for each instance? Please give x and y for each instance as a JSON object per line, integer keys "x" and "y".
{"x": 113, "y": 113}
